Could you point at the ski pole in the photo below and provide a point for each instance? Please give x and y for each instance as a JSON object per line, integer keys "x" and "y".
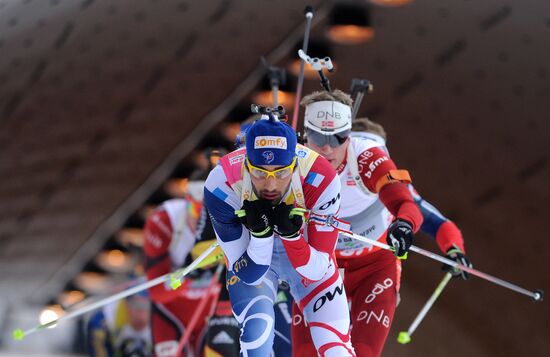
{"x": 309, "y": 15}
{"x": 174, "y": 278}
{"x": 405, "y": 336}
{"x": 537, "y": 295}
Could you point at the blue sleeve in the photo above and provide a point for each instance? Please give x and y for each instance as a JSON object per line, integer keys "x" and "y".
{"x": 222, "y": 215}
{"x": 98, "y": 336}
{"x": 248, "y": 270}
{"x": 433, "y": 219}
{"x": 233, "y": 239}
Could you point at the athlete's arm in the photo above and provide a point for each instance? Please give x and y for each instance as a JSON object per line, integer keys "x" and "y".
{"x": 249, "y": 257}
{"x": 312, "y": 258}
{"x": 158, "y": 235}
{"x": 436, "y": 225}
{"x": 380, "y": 175}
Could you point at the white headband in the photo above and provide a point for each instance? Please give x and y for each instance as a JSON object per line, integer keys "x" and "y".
{"x": 328, "y": 117}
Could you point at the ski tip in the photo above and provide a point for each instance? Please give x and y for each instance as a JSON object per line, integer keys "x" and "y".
{"x": 539, "y": 295}
{"x": 403, "y": 338}
{"x": 18, "y": 334}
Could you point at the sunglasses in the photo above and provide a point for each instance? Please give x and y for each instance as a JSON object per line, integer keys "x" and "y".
{"x": 281, "y": 173}
{"x": 321, "y": 140}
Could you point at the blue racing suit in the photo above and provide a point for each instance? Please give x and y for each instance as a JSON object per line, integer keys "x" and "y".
{"x": 306, "y": 263}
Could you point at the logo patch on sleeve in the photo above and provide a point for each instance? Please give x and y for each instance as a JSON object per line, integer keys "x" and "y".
{"x": 315, "y": 179}
{"x": 236, "y": 159}
{"x": 220, "y": 194}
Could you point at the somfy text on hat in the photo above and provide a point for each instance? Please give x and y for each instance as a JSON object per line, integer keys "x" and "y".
{"x": 270, "y": 142}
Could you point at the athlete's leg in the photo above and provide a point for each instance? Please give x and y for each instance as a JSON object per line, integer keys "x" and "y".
{"x": 325, "y": 307}
{"x": 302, "y": 345}
{"x": 375, "y": 288}
{"x": 282, "y": 345}
{"x": 253, "y": 309}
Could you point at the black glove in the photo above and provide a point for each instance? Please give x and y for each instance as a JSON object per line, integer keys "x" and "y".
{"x": 454, "y": 253}
{"x": 400, "y": 236}
{"x": 256, "y": 217}
{"x": 287, "y": 220}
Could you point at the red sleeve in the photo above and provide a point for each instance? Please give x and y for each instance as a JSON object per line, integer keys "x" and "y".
{"x": 374, "y": 164}
{"x": 322, "y": 196}
{"x": 158, "y": 235}
{"x": 448, "y": 235}
{"x": 398, "y": 200}
{"x": 323, "y": 199}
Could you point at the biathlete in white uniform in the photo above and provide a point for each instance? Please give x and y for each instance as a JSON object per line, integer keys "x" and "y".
{"x": 373, "y": 194}
{"x": 257, "y": 197}
{"x": 440, "y": 228}
{"x": 378, "y": 204}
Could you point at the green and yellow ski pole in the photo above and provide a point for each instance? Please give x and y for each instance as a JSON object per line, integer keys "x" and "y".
{"x": 173, "y": 278}
{"x": 405, "y": 336}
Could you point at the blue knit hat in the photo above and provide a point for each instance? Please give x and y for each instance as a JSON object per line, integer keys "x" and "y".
{"x": 270, "y": 142}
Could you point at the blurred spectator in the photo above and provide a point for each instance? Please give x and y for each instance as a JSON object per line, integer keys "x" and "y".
{"x": 175, "y": 234}
{"x": 121, "y": 329}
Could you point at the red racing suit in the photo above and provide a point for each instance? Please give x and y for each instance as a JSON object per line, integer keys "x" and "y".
{"x": 169, "y": 238}
{"x": 371, "y": 275}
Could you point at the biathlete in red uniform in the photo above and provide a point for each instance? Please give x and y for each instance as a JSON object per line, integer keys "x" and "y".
{"x": 377, "y": 201}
